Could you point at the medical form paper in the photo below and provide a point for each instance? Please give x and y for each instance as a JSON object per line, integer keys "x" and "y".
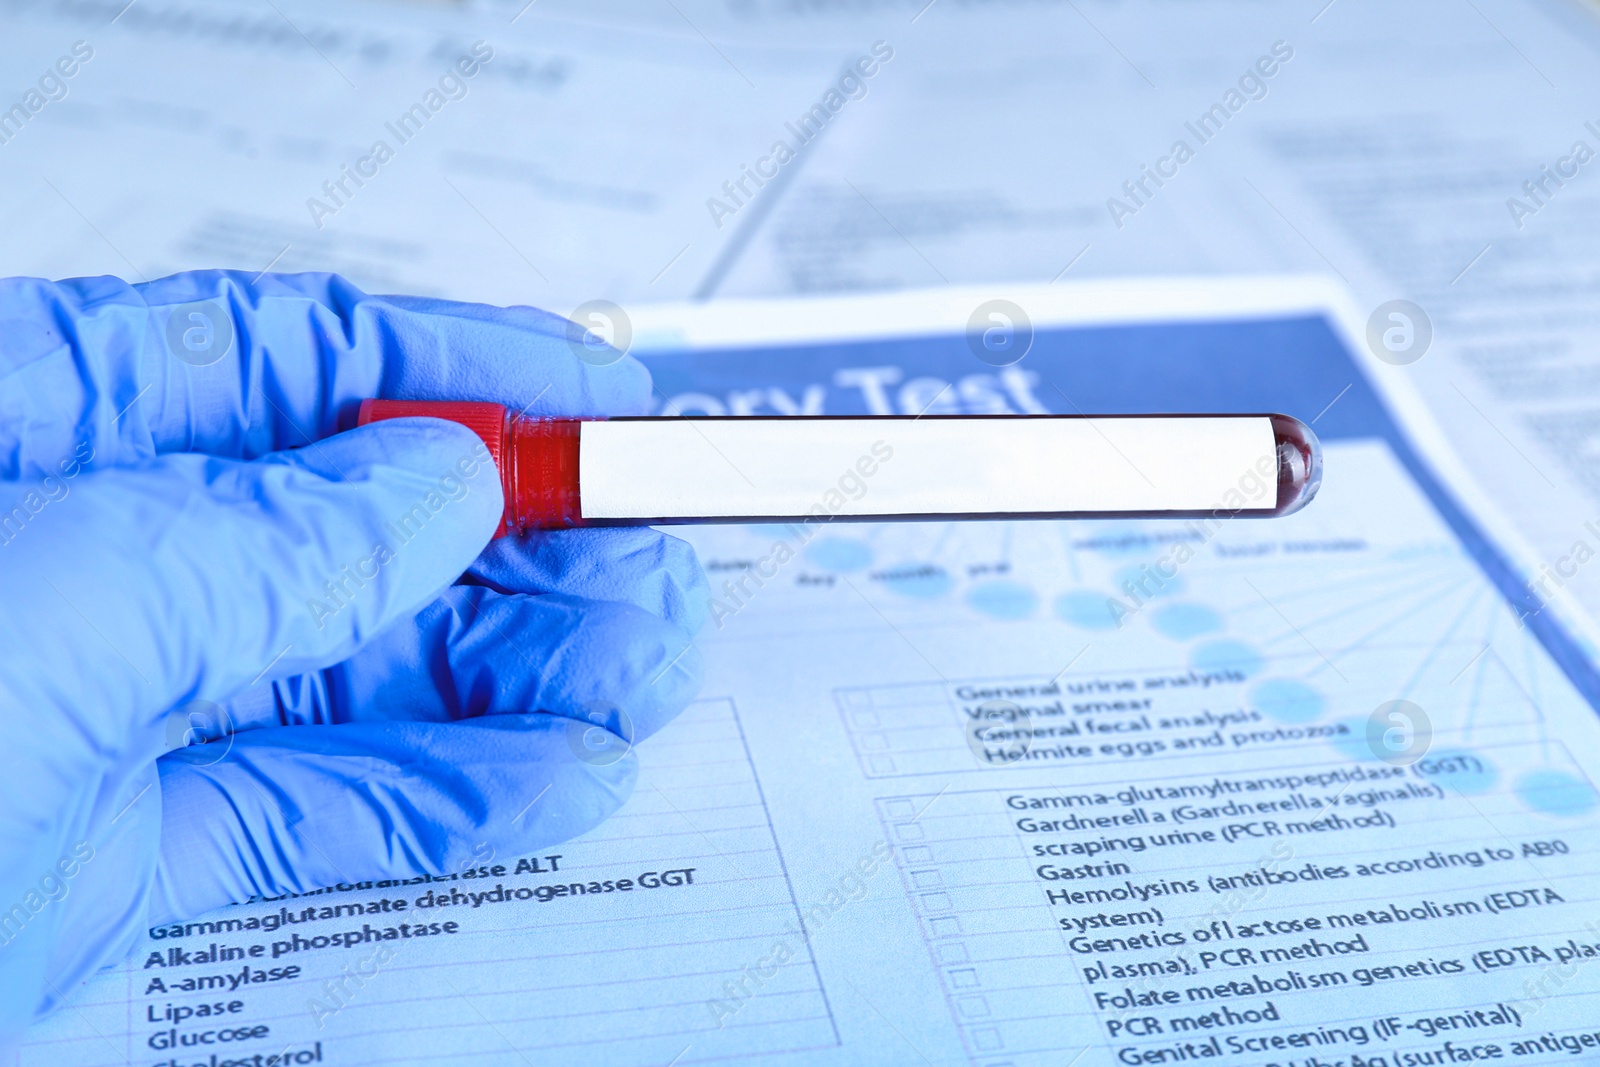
{"x": 1310, "y": 791}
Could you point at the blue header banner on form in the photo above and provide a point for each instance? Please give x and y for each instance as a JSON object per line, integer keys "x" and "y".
{"x": 1297, "y": 366}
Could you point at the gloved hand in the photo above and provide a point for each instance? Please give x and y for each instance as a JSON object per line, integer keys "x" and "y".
{"x": 178, "y": 568}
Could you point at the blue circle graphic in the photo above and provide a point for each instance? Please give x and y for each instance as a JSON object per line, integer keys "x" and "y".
{"x": 1557, "y": 793}
{"x": 1146, "y": 582}
{"x": 1003, "y": 599}
{"x": 1184, "y": 621}
{"x": 1287, "y": 700}
{"x": 1090, "y": 611}
{"x": 1225, "y": 655}
{"x": 840, "y": 554}
{"x": 1352, "y": 743}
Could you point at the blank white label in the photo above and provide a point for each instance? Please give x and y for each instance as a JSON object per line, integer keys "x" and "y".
{"x": 730, "y": 468}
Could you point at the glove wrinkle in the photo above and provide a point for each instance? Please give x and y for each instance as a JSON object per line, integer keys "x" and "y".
{"x": 371, "y": 800}
{"x": 382, "y": 727}
{"x": 641, "y": 566}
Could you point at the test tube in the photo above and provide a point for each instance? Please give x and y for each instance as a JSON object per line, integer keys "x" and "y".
{"x": 559, "y": 473}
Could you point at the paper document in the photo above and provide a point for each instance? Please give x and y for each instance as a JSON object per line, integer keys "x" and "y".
{"x": 1299, "y": 791}
{"x": 620, "y": 152}
{"x": 571, "y": 164}
{"x": 1429, "y": 152}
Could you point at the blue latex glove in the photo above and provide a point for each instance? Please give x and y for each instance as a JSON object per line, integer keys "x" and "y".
{"x": 166, "y": 559}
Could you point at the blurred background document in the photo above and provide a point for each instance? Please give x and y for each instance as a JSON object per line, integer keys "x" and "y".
{"x": 1437, "y": 151}
{"x": 1301, "y": 790}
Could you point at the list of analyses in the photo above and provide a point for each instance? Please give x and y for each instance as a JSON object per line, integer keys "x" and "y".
{"x": 615, "y": 947}
{"x": 1341, "y": 913}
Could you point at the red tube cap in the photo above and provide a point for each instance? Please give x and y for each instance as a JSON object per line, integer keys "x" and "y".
{"x": 537, "y": 458}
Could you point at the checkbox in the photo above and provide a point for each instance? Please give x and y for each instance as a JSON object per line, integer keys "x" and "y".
{"x": 973, "y": 1007}
{"x": 987, "y": 1039}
